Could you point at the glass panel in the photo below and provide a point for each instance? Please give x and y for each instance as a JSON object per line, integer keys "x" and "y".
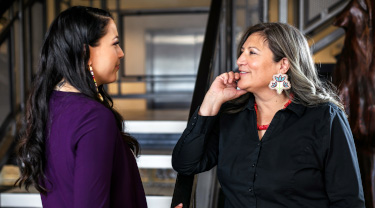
{"x": 174, "y": 53}
{"x": 167, "y": 48}
{"x": 138, "y": 29}
{"x": 158, "y": 182}
{"x": 5, "y": 107}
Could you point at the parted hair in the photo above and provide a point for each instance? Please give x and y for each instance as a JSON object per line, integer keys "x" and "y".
{"x": 286, "y": 41}
{"x": 64, "y": 55}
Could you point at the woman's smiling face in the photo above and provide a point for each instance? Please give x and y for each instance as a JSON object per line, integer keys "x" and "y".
{"x": 105, "y": 58}
{"x": 256, "y": 64}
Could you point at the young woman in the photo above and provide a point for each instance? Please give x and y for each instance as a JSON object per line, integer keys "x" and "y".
{"x": 73, "y": 150}
{"x": 282, "y": 139}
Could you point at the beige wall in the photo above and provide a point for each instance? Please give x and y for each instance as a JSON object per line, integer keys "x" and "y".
{"x": 129, "y": 88}
{"x": 135, "y": 48}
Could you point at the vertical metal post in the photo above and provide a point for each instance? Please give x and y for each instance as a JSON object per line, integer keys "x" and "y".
{"x": 21, "y": 54}
{"x": 121, "y": 35}
{"x": 234, "y": 22}
{"x": 44, "y": 14}
{"x": 11, "y": 64}
{"x": 103, "y": 4}
{"x": 30, "y": 49}
{"x": 151, "y": 102}
{"x": 247, "y": 14}
{"x": 264, "y": 17}
{"x": 234, "y": 33}
{"x": 222, "y": 41}
{"x": 301, "y": 16}
{"x": 229, "y": 35}
{"x": 57, "y": 7}
{"x": 283, "y": 11}
{"x": 184, "y": 190}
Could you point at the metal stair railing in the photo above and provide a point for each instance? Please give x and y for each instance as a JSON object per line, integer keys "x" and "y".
{"x": 184, "y": 191}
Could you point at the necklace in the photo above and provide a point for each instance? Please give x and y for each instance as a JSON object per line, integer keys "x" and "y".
{"x": 265, "y": 127}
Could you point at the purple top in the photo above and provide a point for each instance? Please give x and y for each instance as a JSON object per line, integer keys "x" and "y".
{"x": 88, "y": 164}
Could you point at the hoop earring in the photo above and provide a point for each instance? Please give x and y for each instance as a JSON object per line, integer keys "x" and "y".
{"x": 279, "y": 83}
{"x": 96, "y": 85}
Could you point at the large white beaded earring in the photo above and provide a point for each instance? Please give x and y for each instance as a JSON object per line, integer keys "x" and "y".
{"x": 279, "y": 83}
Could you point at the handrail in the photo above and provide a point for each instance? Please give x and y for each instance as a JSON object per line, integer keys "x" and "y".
{"x": 306, "y": 29}
{"x": 207, "y": 55}
{"x": 159, "y": 78}
{"x": 10, "y": 127}
{"x": 184, "y": 184}
{"x": 324, "y": 42}
{"x": 5, "y": 6}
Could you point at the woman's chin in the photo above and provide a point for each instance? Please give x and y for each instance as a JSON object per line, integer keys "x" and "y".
{"x": 241, "y": 85}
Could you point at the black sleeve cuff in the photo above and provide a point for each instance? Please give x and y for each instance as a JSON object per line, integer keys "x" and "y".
{"x": 201, "y": 124}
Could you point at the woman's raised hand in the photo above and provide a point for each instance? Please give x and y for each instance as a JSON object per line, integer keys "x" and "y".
{"x": 179, "y": 206}
{"x": 223, "y": 89}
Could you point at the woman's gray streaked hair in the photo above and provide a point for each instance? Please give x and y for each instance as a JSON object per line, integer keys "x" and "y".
{"x": 286, "y": 41}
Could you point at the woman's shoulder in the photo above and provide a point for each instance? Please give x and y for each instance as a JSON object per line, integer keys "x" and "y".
{"x": 80, "y": 106}
{"x": 327, "y": 109}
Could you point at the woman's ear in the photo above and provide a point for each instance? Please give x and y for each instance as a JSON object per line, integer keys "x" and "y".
{"x": 284, "y": 67}
{"x": 84, "y": 50}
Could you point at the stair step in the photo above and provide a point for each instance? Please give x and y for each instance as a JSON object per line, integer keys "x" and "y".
{"x": 26, "y": 200}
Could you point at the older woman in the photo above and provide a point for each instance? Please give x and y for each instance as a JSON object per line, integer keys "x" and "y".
{"x": 278, "y": 135}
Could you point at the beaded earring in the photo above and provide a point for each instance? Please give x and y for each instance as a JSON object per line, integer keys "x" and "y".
{"x": 96, "y": 85}
{"x": 279, "y": 83}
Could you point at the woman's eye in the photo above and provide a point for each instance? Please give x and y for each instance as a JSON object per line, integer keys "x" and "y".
{"x": 252, "y": 52}
{"x": 116, "y": 43}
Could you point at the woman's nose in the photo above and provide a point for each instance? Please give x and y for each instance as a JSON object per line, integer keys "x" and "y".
{"x": 121, "y": 54}
{"x": 241, "y": 60}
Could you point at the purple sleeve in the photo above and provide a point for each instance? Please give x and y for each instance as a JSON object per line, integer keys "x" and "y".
{"x": 94, "y": 152}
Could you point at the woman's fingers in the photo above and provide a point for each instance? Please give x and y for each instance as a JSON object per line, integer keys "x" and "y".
{"x": 236, "y": 76}
{"x": 224, "y": 77}
{"x": 179, "y": 206}
{"x": 229, "y": 77}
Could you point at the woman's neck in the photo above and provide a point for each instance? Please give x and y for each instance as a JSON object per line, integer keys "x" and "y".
{"x": 64, "y": 86}
{"x": 268, "y": 106}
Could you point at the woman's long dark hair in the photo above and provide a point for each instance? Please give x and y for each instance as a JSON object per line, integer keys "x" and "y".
{"x": 65, "y": 54}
